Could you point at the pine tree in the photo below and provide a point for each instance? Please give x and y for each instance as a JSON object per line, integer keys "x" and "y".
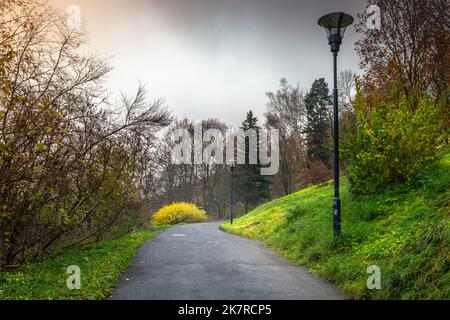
{"x": 318, "y": 102}
{"x": 251, "y": 188}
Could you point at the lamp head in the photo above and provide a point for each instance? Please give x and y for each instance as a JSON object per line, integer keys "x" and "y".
{"x": 335, "y": 24}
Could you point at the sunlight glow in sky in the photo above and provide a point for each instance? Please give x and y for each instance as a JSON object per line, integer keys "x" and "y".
{"x": 214, "y": 58}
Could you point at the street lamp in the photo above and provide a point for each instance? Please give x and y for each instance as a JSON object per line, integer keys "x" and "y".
{"x": 335, "y": 24}
{"x": 232, "y": 165}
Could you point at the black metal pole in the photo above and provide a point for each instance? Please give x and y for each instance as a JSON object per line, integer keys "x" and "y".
{"x": 337, "y": 200}
{"x": 232, "y": 195}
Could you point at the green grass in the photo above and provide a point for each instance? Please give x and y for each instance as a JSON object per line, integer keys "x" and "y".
{"x": 404, "y": 230}
{"x": 101, "y": 265}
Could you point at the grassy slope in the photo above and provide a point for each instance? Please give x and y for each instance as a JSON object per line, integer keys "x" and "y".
{"x": 405, "y": 231}
{"x": 100, "y": 264}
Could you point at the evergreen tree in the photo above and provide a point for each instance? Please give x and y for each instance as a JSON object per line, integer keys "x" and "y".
{"x": 318, "y": 102}
{"x": 251, "y": 187}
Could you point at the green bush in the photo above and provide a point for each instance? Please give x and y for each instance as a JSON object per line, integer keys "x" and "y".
{"x": 393, "y": 140}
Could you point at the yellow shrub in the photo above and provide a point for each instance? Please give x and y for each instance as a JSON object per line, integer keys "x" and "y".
{"x": 178, "y": 212}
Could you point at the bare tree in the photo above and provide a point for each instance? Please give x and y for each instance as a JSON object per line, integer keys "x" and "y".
{"x": 202, "y": 183}
{"x": 346, "y": 86}
{"x": 286, "y": 112}
{"x": 68, "y": 157}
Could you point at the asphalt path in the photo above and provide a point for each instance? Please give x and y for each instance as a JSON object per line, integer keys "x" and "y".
{"x": 201, "y": 262}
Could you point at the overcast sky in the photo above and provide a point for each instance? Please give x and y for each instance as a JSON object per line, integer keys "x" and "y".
{"x": 214, "y": 58}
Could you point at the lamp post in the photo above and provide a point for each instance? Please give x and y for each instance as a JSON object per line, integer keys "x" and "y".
{"x": 232, "y": 165}
{"x": 335, "y": 24}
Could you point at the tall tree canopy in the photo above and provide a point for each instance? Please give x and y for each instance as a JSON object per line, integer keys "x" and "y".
{"x": 318, "y": 101}
{"x": 252, "y": 187}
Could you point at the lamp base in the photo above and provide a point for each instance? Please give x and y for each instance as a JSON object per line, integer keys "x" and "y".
{"x": 337, "y": 217}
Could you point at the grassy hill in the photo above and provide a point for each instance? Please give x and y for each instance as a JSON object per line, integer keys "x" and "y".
{"x": 404, "y": 230}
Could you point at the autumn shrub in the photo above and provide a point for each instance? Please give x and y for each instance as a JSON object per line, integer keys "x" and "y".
{"x": 393, "y": 140}
{"x": 178, "y": 212}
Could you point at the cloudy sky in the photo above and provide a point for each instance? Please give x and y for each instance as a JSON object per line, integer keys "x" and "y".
{"x": 214, "y": 58}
